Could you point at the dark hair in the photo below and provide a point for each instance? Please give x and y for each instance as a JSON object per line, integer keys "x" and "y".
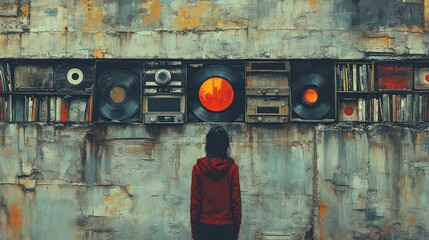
{"x": 217, "y": 143}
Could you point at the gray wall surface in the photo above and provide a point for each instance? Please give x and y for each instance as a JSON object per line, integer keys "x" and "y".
{"x": 132, "y": 181}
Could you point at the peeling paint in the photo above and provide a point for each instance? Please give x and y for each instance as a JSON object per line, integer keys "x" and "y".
{"x": 94, "y": 16}
{"x": 155, "y": 11}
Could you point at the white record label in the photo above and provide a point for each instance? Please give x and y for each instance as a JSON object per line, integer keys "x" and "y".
{"x": 75, "y": 76}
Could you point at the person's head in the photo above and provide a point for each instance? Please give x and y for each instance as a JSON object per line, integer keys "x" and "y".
{"x": 217, "y": 143}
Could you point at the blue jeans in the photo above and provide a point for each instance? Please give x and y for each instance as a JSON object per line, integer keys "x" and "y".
{"x": 215, "y": 232}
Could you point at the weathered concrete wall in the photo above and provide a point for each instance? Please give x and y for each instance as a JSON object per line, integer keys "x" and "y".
{"x": 214, "y": 29}
{"x": 131, "y": 181}
{"x": 372, "y": 182}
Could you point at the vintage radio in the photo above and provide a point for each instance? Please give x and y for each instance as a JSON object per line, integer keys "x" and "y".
{"x": 164, "y": 74}
{"x": 267, "y": 91}
{"x": 74, "y": 77}
{"x": 164, "y": 109}
{"x": 164, "y": 99}
{"x": 28, "y": 77}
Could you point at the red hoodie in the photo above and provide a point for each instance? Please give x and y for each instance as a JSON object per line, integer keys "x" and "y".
{"x": 215, "y": 193}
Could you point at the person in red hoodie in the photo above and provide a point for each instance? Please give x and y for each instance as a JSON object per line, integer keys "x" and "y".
{"x": 215, "y": 191}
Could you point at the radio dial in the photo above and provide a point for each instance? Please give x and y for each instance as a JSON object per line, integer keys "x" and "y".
{"x": 152, "y": 119}
{"x": 259, "y": 119}
{"x": 162, "y": 77}
{"x": 276, "y": 91}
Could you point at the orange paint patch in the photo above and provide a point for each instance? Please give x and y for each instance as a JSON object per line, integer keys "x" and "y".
{"x": 192, "y": 17}
{"x": 25, "y": 9}
{"x": 323, "y": 211}
{"x": 98, "y": 53}
{"x": 155, "y": 10}
{"x": 313, "y": 4}
{"x": 14, "y": 219}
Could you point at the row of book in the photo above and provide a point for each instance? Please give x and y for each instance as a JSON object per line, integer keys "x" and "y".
{"x": 385, "y": 108}
{"x": 25, "y": 108}
{"x": 354, "y": 77}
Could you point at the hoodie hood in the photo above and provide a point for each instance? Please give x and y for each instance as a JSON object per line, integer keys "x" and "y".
{"x": 214, "y": 167}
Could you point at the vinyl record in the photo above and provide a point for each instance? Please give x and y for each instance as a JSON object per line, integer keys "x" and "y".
{"x": 216, "y": 93}
{"x": 310, "y": 96}
{"x": 118, "y": 94}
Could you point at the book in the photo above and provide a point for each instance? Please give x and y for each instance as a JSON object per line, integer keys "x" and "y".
{"x": 52, "y": 109}
{"x": 43, "y": 109}
{"x": 409, "y": 108}
{"x": 354, "y": 76}
{"x": 34, "y": 110}
{"x": 385, "y": 108}
{"x": 77, "y": 110}
{"x": 64, "y": 110}
{"x": 57, "y": 109}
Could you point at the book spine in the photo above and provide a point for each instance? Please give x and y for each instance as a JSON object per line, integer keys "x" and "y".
{"x": 57, "y": 109}
{"x": 52, "y": 109}
{"x": 64, "y": 110}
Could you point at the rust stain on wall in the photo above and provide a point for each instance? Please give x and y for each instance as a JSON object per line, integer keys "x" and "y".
{"x": 313, "y": 4}
{"x": 14, "y": 217}
{"x": 378, "y": 41}
{"x": 426, "y": 15}
{"x": 99, "y": 53}
{"x": 8, "y": 152}
{"x": 155, "y": 11}
{"x": 94, "y": 17}
{"x": 118, "y": 202}
{"x": 323, "y": 211}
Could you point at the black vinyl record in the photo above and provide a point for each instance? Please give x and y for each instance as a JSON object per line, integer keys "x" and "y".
{"x": 319, "y": 108}
{"x": 118, "y": 94}
{"x": 234, "y": 78}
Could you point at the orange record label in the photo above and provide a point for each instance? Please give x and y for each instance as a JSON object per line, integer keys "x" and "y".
{"x": 216, "y": 94}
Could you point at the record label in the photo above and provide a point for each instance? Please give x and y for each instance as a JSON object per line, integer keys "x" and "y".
{"x": 216, "y": 94}
{"x": 75, "y": 76}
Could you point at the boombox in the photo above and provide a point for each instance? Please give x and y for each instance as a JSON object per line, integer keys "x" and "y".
{"x": 29, "y": 77}
{"x": 267, "y": 91}
{"x": 73, "y": 77}
{"x": 164, "y": 99}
